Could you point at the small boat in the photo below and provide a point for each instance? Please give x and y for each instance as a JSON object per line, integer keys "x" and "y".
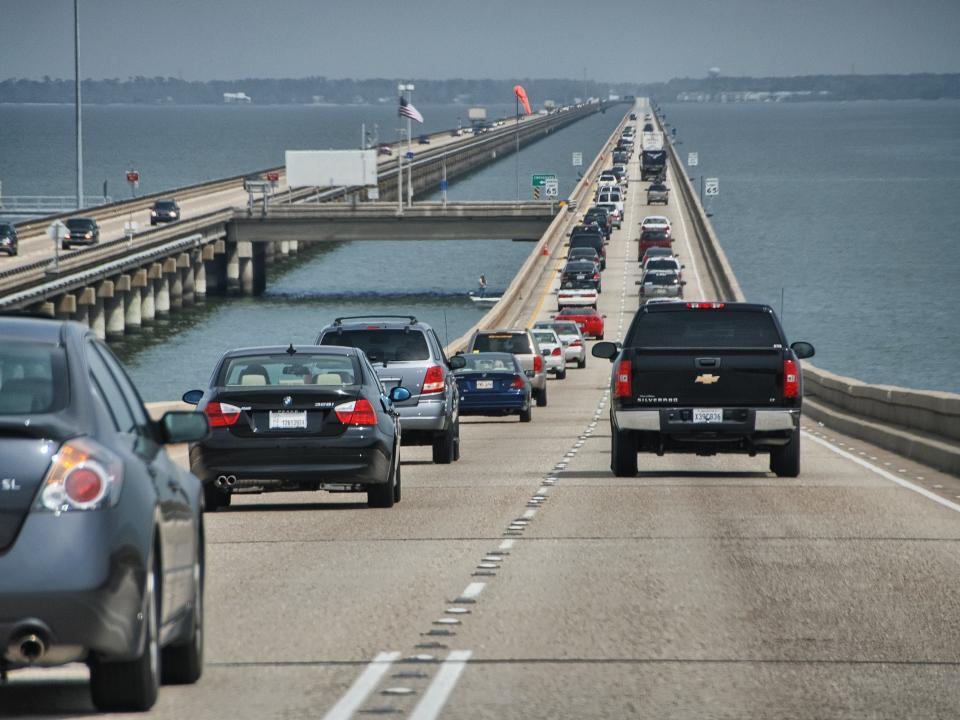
{"x": 484, "y": 299}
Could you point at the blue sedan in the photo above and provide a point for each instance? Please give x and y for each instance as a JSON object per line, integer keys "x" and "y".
{"x": 494, "y": 383}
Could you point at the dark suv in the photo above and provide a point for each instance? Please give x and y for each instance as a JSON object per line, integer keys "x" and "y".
{"x": 81, "y": 231}
{"x": 8, "y": 238}
{"x": 405, "y": 352}
{"x": 164, "y": 211}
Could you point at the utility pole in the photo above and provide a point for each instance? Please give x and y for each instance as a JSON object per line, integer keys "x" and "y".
{"x": 76, "y": 67}
{"x": 517, "y": 163}
{"x": 409, "y": 150}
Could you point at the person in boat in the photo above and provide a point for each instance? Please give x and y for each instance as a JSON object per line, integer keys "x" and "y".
{"x": 482, "y": 289}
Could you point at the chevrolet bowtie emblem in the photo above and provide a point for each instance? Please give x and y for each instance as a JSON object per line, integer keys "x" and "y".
{"x": 707, "y": 379}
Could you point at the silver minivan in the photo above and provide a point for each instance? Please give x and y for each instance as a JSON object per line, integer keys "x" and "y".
{"x": 524, "y": 345}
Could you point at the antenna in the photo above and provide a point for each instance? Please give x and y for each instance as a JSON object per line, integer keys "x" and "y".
{"x": 291, "y": 350}
{"x": 446, "y": 334}
{"x": 781, "y": 305}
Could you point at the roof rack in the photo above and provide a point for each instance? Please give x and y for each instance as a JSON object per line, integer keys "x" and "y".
{"x": 411, "y": 320}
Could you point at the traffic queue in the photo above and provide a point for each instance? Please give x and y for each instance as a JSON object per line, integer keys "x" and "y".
{"x": 83, "y": 459}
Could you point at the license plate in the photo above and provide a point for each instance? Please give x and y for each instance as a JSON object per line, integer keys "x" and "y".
{"x": 288, "y": 419}
{"x": 707, "y": 415}
{"x": 581, "y": 277}
{"x": 484, "y": 384}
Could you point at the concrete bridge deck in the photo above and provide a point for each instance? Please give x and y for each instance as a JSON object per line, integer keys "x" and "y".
{"x": 527, "y": 581}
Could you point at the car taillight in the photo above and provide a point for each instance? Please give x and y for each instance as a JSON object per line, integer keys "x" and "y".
{"x": 221, "y": 414}
{"x": 556, "y": 352}
{"x": 83, "y": 475}
{"x": 596, "y": 276}
{"x": 356, "y": 412}
{"x": 706, "y": 306}
{"x": 537, "y": 363}
{"x": 433, "y": 380}
{"x": 576, "y": 343}
{"x": 517, "y": 383}
{"x": 623, "y": 387}
{"x": 791, "y": 379}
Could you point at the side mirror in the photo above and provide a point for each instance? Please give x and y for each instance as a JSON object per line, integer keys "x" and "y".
{"x": 603, "y": 316}
{"x": 683, "y": 282}
{"x": 178, "y": 426}
{"x": 457, "y": 361}
{"x": 803, "y": 349}
{"x": 682, "y": 267}
{"x": 605, "y": 349}
{"x": 192, "y": 397}
{"x": 399, "y": 394}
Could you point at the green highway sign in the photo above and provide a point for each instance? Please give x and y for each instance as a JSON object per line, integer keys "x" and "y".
{"x": 542, "y": 180}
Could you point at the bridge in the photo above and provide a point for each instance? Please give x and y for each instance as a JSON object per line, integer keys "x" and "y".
{"x": 526, "y": 581}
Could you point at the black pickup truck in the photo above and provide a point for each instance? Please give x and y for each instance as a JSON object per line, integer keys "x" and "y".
{"x": 705, "y": 378}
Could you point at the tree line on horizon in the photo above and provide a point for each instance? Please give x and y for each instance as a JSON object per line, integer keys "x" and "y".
{"x": 264, "y": 91}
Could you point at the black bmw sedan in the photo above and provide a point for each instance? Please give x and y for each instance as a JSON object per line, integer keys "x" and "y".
{"x": 298, "y": 418}
{"x": 101, "y": 539}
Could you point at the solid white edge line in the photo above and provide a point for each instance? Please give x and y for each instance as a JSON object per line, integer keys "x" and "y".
{"x": 473, "y": 589}
{"x": 686, "y": 240}
{"x": 357, "y": 694}
{"x": 886, "y": 475}
{"x": 443, "y": 683}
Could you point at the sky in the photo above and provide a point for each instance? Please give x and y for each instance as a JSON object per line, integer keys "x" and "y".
{"x": 612, "y": 41}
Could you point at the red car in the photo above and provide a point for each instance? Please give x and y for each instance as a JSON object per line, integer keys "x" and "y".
{"x": 587, "y": 319}
{"x": 654, "y": 238}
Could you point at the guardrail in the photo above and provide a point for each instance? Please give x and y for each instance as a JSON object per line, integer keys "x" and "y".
{"x": 923, "y": 425}
{"x": 508, "y": 311}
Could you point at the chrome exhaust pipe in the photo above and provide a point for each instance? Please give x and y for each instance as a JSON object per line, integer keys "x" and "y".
{"x": 220, "y": 481}
{"x": 28, "y": 648}
{"x": 231, "y": 480}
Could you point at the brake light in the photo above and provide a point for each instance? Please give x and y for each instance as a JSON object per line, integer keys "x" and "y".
{"x": 556, "y": 351}
{"x": 356, "y": 412}
{"x": 596, "y": 276}
{"x": 791, "y": 379}
{"x": 517, "y": 383}
{"x": 537, "y": 363}
{"x": 623, "y": 387}
{"x": 221, "y": 414}
{"x": 83, "y": 475}
{"x": 576, "y": 343}
{"x": 706, "y": 306}
{"x": 433, "y": 380}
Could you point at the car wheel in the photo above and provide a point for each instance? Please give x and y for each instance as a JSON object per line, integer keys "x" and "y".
{"x": 131, "y": 686}
{"x": 623, "y": 453}
{"x": 582, "y": 363}
{"x": 542, "y": 398}
{"x": 526, "y": 414}
{"x": 562, "y": 374}
{"x": 396, "y": 484}
{"x": 381, "y": 496}
{"x": 600, "y": 336}
{"x": 214, "y": 498}
{"x": 182, "y": 664}
{"x": 785, "y": 461}
{"x": 443, "y": 447}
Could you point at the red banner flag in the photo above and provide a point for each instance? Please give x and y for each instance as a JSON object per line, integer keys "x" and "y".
{"x": 522, "y": 97}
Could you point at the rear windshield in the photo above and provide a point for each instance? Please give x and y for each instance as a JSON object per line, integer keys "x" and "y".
{"x": 545, "y": 337}
{"x": 165, "y": 204}
{"x": 662, "y": 264}
{"x": 658, "y": 188}
{"x": 303, "y": 369}
{"x": 488, "y": 362}
{"x": 594, "y": 241}
{"x": 383, "y": 344}
{"x": 703, "y": 329}
{"x": 516, "y": 343}
{"x": 80, "y": 223}
{"x": 33, "y": 378}
{"x": 566, "y": 328}
{"x": 654, "y": 235}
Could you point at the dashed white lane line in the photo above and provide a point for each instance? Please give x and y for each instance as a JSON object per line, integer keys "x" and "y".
{"x": 443, "y": 683}
{"x": 529, "y": 514}
{"x": 473, "y": 589}
{"x": 887, "y": 475}
{"x": 505, "y": 545}
{"x": 357, "y": 694}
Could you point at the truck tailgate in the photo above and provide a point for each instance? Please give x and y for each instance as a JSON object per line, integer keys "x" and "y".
{"x": 672, "y": 377}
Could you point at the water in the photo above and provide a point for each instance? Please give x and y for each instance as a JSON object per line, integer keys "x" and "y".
{"x": 179, "y": 146}
{"x": 851, "y": 209}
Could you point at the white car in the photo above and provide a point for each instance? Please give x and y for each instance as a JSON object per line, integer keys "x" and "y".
{"x": 576, "y": 297}
{"x": 552, "y": 350}
{"x": 574, "y": 347}
{"x": 669, "y": 264}
{"x": 607, "y": 180}
{"x": 656, "y": 222}
{"x": 613, "y": 197}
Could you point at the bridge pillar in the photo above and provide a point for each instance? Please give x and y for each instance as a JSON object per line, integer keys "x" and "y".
{"x": 133, "y": 301}
{"x": 246, "y": 252}
{"x": 285, "y": 247}
{"x": 111, "y": 296}
{"x": 174, "y": 283}
{"x": 200, "y": 274}
{"x": 294, "y": 246}
{"x": 232, "y": 249}
{"x": 270, "y": 252}
{"x": 45, "y": 308}
{"x": 148, "y": 308}
{"x": 162, "y": 287}
{"x": 185, "y": 270}
{"x": 66, "y": 308}
{"x": 96, "y": 318}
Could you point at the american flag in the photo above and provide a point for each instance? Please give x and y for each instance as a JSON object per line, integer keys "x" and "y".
{"x": 408, "y": 110}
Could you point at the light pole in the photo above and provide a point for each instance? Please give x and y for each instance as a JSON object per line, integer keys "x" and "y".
{"x": 76, "y": 69}
{"x": 400, "y": 89}
{"x": 517, "y": 161}
{"x": 409, "y": 87}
